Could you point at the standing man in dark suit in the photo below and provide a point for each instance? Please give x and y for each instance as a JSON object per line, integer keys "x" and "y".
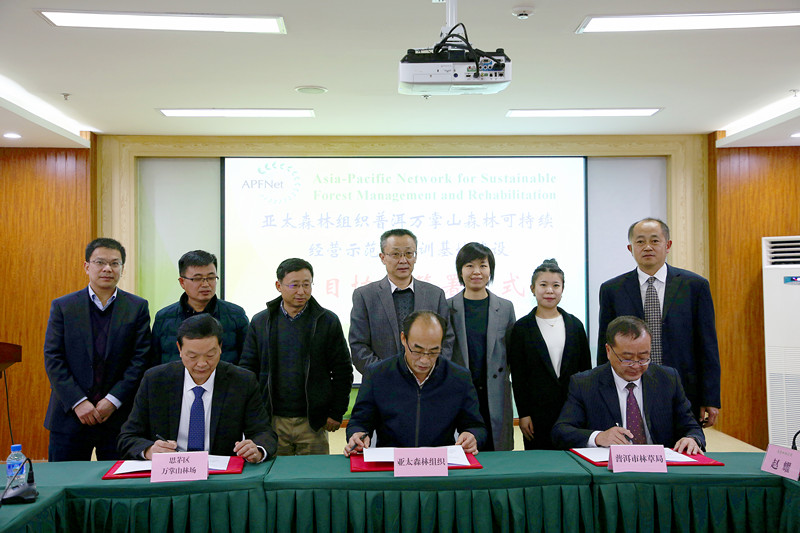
{"x": 95, "y": 351}
{"x": 628, "y": 400}
{"x": 297, "y": 350}
{"x": 197, "y": 271}
{"x": 198, "y": 403}
{"x": 677, "y": 306}
{"x": 380, "y": 307}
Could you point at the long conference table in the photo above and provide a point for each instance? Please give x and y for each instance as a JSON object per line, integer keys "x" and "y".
{"x": 514, "y": 491}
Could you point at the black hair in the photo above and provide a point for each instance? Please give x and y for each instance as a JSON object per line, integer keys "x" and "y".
{"x": 293, "y": 264}
{"x": 200, "y": 326}
{"x": 397, "y": 232}
{"x": 548, "y": 265}
{"x": 195, "y": 258}
{"x": 627, "y": 326}
{"x": 471, "y": 252}
{"x": 105, "y": 242}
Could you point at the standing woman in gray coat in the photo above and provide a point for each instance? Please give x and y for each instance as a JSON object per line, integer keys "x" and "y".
{"x": 482, "y": 321}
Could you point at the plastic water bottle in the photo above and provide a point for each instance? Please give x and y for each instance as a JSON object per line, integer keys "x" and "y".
{"x": 16, "y": 461}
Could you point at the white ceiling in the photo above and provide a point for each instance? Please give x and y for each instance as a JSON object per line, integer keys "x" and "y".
{"x": 118, "y": 79}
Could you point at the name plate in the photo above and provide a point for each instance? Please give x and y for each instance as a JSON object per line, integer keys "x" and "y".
{"x": 181, "y": 466}
{"x": 420, "y": 462}
{"x": 781, "y": 461}
{"x": 637, "y": 458}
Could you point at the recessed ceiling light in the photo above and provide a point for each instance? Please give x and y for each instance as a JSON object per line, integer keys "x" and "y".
{"x": 796, "y": 134}
{"x": 311, "y": 89}
{"x": 239, "y": 113}
{"x": 774, "y": 110}
{"x": 11, "y": 135}
{"x": 692, "y": 21}
{"x": 566, "y": 113}
{"x": 166, "y": 21}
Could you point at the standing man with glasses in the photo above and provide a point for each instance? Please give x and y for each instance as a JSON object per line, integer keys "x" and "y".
{"x": 628, "y": 400}
{"x": 95, "y": 352}
{"x": 297, "y": 350}
{"x": 380, "y": 307}
{"x": 417, "y": 398}
{"x": 677, "y": 306}
{"x": 198, "y": 279}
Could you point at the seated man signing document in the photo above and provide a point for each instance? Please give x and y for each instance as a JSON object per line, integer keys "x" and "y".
{"x": 198, "y": 403}
{"x": 628, "y": 400}
{"x": 417, "y": 398}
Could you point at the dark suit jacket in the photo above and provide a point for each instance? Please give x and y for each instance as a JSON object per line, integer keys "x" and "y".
{"x": 688, "y": 333}
{"x": 374, "y": 331}
{"x": 236, "y": 408}
{"x": 68, "y": 349}
{"x": 538, "y": 392}
{"x": 593, "y": 405}
{"x": 498, "y": 387}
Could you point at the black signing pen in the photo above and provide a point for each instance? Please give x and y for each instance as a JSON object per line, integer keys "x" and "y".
{"x": 630, "y": 440}
{"x": 353, "y": 447}
{"x": 177, "y": 448}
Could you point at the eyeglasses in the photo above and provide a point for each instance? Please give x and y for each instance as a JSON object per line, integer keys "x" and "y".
{"x": 211, "y": 280}
{"x": 102, "y": 263}
{"x": 429, "y": 355}
{"x": 295, "y": 286}
{"x": 630, "y": 362}
{"x": 399, "y": 255}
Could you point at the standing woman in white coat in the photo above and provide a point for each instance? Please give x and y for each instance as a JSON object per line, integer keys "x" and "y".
{"x": 482, "y": 321}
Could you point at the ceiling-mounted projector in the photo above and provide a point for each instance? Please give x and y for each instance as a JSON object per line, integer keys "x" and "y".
{"x": 453, "y": 65}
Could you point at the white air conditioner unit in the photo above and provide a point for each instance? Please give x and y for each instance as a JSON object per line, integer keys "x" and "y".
{"x": 781, "y": 269}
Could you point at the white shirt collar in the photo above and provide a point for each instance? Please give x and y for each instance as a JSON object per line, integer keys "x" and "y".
{"x": 622, "y": 384}
{"x": 660, "y": 275}
{"x": 96, "y": 299}
{"x": 394, "y": 287}
{"x": 420, "y": 383}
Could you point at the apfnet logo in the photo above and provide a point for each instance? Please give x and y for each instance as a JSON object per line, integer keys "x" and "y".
{"x": 273, "y": 182}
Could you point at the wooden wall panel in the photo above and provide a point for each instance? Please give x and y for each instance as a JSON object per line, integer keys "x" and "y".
{"x": 756, "y": 193}
{"x": 46, "y": 223}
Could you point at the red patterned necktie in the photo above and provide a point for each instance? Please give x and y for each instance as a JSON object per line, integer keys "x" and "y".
{"x": 633, "y": 417}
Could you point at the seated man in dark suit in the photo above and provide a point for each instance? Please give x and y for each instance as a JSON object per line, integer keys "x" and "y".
{"x": 417, "y": 398}
{"x": 627, "y": 400}
{"x": 199, "y": 403}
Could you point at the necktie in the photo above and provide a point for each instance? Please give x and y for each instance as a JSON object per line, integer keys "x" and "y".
{"x": 633, "y": 417}
{"x": 197, "y": 422}
{"x": 652, "y": 315}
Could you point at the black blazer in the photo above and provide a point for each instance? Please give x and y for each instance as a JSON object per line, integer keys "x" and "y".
{"x": 236, "y": 408}
{"x": 68, "y": 349}
{"x": 538, "y": 392}
{"x": 593, "y": 405}
{"x": 688, "y": 331}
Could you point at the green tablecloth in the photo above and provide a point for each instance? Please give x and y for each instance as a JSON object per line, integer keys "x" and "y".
{"x": 790, "y": 518}
{"x": 44, "y": 514}
{"x": 515, "y": 491}
{"x": 220, "y": 503}
{"x": 734, "y": 497}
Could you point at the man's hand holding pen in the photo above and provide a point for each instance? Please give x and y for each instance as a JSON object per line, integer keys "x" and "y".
{"x": 357, "y": 443}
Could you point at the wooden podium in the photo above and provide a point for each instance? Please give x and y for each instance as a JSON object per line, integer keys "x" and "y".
{"x": 9, "y": 354}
